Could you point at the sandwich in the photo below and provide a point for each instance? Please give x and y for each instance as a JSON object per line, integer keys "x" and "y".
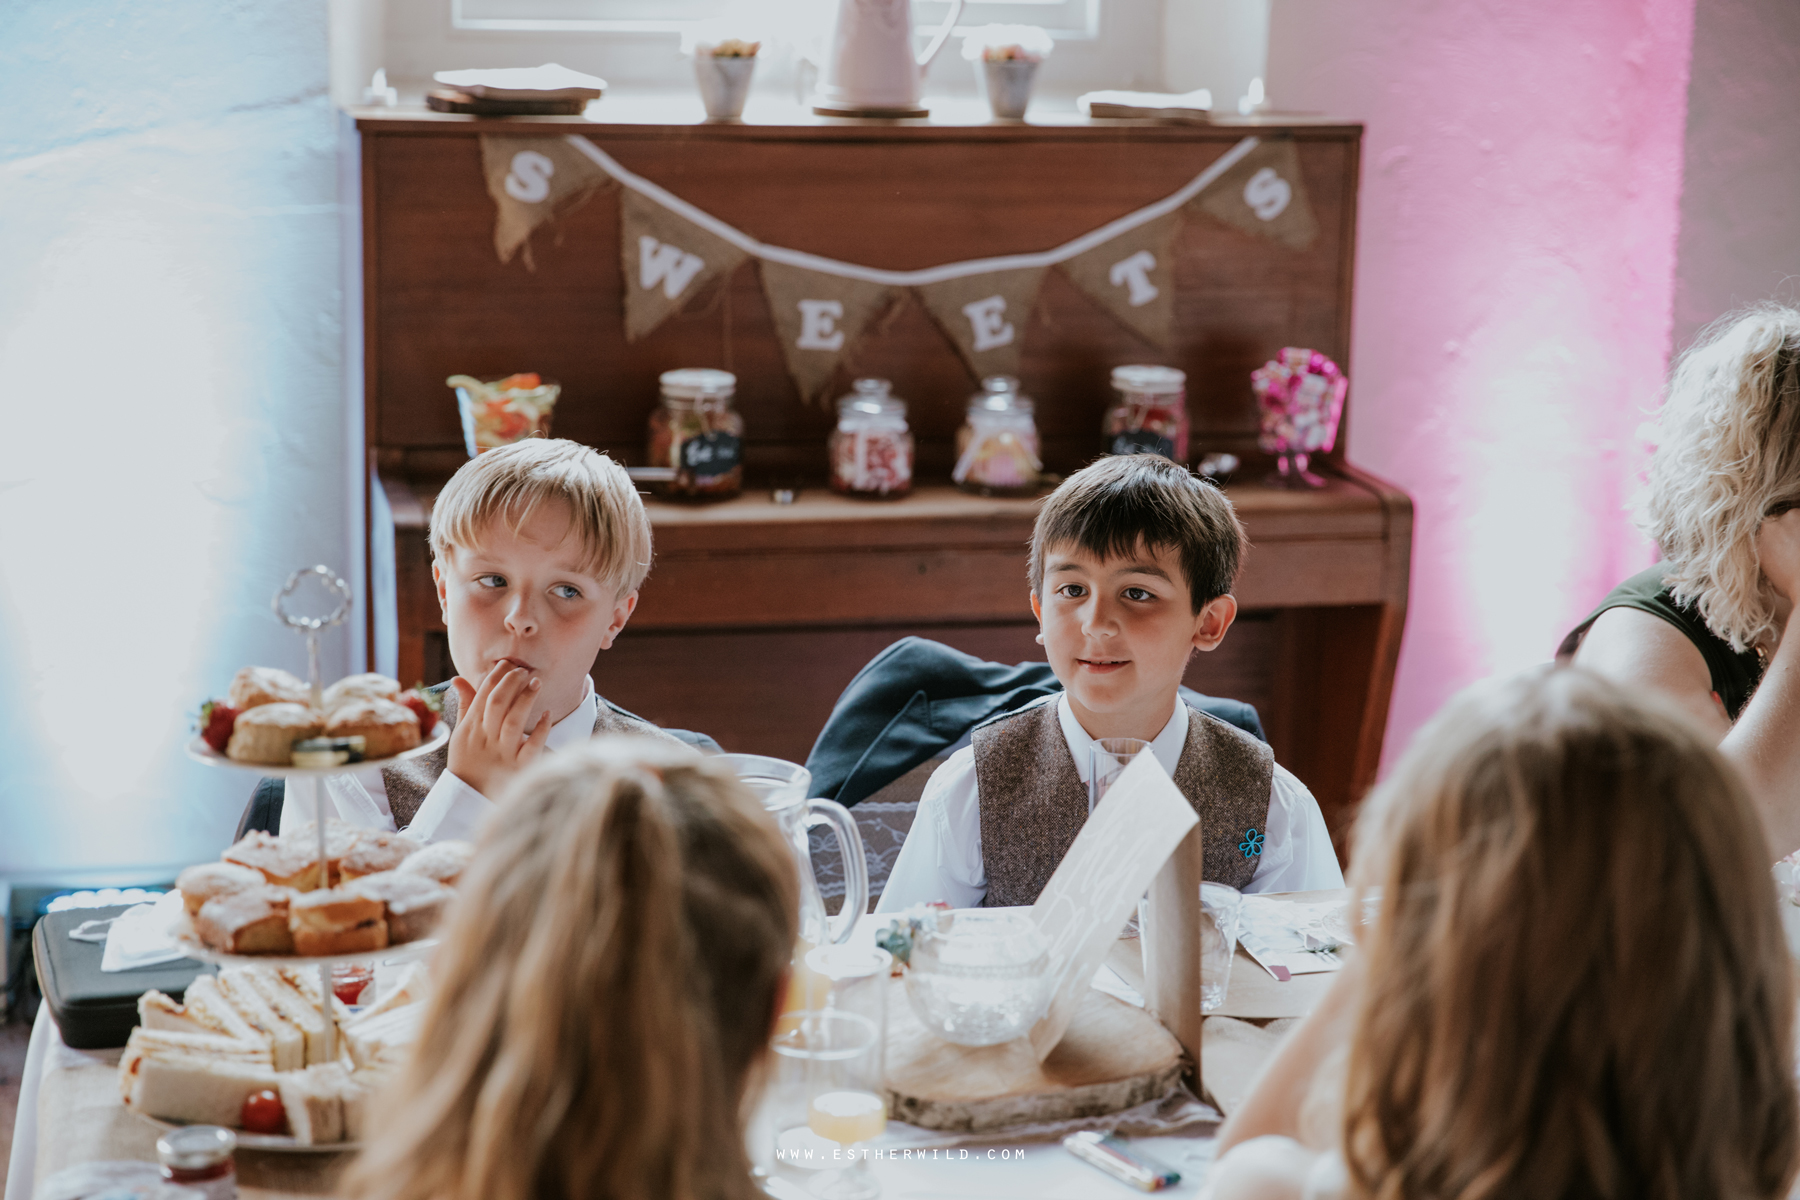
{"x": 196, "y": 1078}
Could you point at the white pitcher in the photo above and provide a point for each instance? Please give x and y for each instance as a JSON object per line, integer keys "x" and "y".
{"x": 870, "y": 64}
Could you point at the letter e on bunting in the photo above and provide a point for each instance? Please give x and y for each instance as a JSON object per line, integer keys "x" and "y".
{"x": 1263, "y": 193}
{"x": 533, "y": 179}
{"x": 985, "y": 316}
{"x": 666, "y": 261}
{"x": 818, "y": 318}
{"x": 1132, "y": 277}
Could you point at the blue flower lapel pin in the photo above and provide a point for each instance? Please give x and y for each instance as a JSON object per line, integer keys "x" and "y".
{"x": 1252, "y": 844}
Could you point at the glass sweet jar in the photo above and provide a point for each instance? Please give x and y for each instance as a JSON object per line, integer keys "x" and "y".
{"x": 871, "y": 449}
{"x": 696, "y": 431}
{"x": 978, "y": 978}
{"x": 1149, "y": 412}
{"x": 997, "y": 448}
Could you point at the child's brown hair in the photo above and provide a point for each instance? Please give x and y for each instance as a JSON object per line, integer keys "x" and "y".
{"x": 1112, "y": 506}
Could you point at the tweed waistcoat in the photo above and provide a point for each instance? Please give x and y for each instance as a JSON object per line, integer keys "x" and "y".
{"x": 1033, "y": 802}
{"x": 408, "y": 782}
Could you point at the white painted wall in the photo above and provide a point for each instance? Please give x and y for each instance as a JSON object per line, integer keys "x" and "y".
{"x": 175, "y": 436}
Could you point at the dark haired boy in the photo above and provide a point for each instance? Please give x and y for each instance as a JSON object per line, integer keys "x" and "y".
{"x": 1132, "y": 564}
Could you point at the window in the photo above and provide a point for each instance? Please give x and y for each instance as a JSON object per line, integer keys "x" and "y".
{"x": 1065, "y": 19}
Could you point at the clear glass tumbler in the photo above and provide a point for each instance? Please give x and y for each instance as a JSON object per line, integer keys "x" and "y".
{"x": 1220, "y": 905}
{"x": 825, "y": 1098}
{"x": 1107, "y": 761}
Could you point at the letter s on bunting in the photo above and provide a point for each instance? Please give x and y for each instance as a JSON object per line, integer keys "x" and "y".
{"x": 529, "y": 179}
{"x": 533, "y": 180}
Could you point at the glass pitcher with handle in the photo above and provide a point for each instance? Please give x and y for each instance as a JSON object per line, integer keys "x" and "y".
{"x": 782, "y": 788}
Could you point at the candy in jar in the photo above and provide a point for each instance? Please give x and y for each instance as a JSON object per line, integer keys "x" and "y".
{"x": 871, "y": 448}
{"x": 997, "y": 450}
{"x": 696, "y": 431}
{"x": 1149, "y": 414}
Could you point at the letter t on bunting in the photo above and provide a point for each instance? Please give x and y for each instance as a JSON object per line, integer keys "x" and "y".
{"x": 985, "y": 316}
{"x": 533, "y": 179}
{"x": 818, "y": 318}
{"x": 666, "y": 261}
{"x": 1132, "y": 277}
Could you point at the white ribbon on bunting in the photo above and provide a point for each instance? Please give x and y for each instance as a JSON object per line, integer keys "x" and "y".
{"x": 948, "y": 271}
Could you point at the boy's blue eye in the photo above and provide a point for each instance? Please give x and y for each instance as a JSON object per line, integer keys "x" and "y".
{"x": 566, "y": 591}
{"x": 491, "y": 581}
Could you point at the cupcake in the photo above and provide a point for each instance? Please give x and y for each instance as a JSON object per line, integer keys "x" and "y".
{"x": 267, "y": 733}
{"x": 385, "y": 727}
{"x": 256, "y": 686}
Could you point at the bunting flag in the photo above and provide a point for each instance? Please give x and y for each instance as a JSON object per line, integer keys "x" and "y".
{"x": 818, "y": 318}
{"x": 1133, "y": 278}
{"x": 533, "y": 179}
{"x": 1263, "y": 193}
{"x": 985, "y": 316}
{"x": 667, "y": 260}
{"x": 671, "y": 250}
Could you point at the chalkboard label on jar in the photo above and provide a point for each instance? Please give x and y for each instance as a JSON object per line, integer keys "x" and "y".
{"x": 711, "y": 454}
{"x": 1143, "y": 441}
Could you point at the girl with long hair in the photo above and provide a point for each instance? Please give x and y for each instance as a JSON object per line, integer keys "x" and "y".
{"x": 1573, "y": 985}
{"x": 603, "y": 993}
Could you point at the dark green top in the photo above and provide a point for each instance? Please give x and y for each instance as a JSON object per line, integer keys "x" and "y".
{"x": 1734, "y": 675}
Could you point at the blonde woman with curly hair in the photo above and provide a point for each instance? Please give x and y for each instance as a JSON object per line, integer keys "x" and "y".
{"x": 1704, "y": 626}
{"x": 603, "y": 994}
{"x": 1574, "y": 983}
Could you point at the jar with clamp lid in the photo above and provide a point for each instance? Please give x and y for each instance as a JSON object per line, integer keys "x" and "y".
{"x": 997, "y": 449}
{"x": 871, "y": 449}
{"x": 697, "y": 432}
{"x": 1149, "y": 412}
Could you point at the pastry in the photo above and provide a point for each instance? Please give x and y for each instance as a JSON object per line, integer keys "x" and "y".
{"x": 360, "y": 687}
{"x": 375, "y": 852}
{"x": 413, "y": 903}
{"x": 442, "y": 861}
{"x": 337, "y": 921}
{"x": 253, "y": 687}
{"x": 385, "y": 726}
{"x": 290, "y": 862}
{"x": 254, "y": 921}
{"x": 201, "y": 883}
{"x": 267, "y": 733}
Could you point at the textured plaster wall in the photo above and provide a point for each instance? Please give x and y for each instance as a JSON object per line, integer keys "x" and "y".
{"x": 174, "y": 436}
{"x": 1740, "y": 202}
{"x": 1516, "y": 250}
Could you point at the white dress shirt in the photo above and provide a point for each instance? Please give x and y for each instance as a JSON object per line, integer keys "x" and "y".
{"x": 452, "y": 810}
{"x": 941, "y": 858}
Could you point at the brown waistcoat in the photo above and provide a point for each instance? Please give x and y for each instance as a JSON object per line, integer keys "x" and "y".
{"x": 1033, "y": 803}
{"x": 409, "y": 781}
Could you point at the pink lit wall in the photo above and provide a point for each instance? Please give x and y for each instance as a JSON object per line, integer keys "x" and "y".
{"x": 1515, "y": 270}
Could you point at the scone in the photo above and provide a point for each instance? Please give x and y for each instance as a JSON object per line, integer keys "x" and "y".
{"x": 253, "y": 687}
{"x": 290, "y": 862}
{"x": 201, "y": 883}
{"x": 386, "y": 728}
{"x": 442, "y": 861}
{"x": 370, "y": 686}
{"x": 374, "y": 852}
{"x": 337, "y": 921}
{"x": 414, "y": 903}
{"x": 248, "y": 922}
{"x": 267, "y": 733}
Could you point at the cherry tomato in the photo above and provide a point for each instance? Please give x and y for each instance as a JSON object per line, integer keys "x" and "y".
{"x": 263, "y": 1113}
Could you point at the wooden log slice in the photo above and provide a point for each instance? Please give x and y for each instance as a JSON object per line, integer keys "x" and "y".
{"x": 1114, "y": 1056}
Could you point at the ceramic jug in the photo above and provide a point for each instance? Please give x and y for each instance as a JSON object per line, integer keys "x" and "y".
{"x": 782, "y": 788}
{"x": 869, "y": 65}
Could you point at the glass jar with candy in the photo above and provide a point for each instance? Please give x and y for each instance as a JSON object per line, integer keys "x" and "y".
{"x": 997, "y": 448}
{"x": 697, "y": 432}
{"x": 871, "y": 449}
{"x": 1149, "y": 412}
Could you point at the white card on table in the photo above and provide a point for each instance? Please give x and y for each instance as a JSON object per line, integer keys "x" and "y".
{"x": 1096, "y": 887}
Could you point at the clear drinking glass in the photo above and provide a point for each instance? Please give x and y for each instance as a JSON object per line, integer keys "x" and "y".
{"x": 855, "y": 980}
{"x": 1220, "y": 904}
{"x": 1107, "y": 761}
{"x": 826, "y": 1097}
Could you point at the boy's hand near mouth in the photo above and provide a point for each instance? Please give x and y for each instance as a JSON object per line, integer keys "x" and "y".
{"x": 490, "y": 743}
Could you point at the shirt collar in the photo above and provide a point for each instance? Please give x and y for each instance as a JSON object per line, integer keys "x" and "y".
{"x": 578, "y": 726}
{"x": 1167, "y": 745}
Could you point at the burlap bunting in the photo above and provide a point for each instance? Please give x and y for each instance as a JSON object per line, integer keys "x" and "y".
{"x": 818, "y": 318}
{"x": 1263, "y": 193}
{"x": 1133, "y": 278}
{"x": 533, "y": 179}
{"x": 985, "y": 316}
{"x": 667, "y": 260}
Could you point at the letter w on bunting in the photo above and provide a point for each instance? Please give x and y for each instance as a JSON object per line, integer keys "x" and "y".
{"x": 667, "y": 261}
{"x": 1132, "y": 277}
{"x": 985, "y": 316}
{"x": 533, "y": 179}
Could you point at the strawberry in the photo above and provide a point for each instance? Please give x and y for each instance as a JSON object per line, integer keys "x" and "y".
{"x": 216, "y": 722}
{"x": 426, "y": 708}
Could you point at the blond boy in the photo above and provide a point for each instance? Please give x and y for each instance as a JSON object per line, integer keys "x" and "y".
{"x": 1132, "y": 564}
{"x": 538, "y": 551}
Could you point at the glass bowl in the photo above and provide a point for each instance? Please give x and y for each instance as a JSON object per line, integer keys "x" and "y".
{"x": 979, "y": 978}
